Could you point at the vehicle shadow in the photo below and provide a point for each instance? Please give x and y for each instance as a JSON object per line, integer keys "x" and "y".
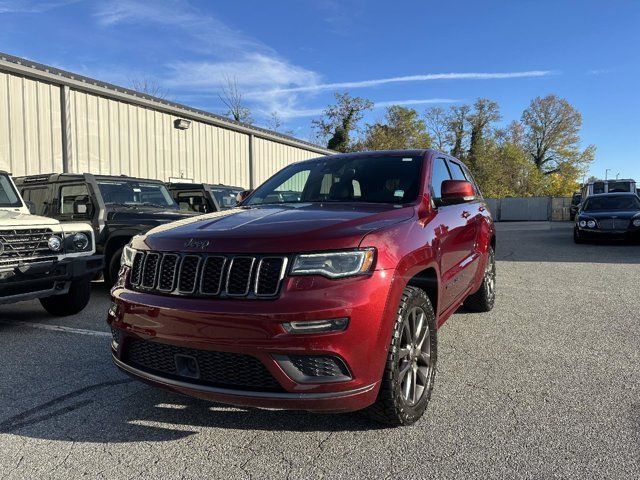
{"x": 153, "y": 415}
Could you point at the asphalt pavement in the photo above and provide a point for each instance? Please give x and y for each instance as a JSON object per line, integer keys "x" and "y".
{"x": 546, "y": 385}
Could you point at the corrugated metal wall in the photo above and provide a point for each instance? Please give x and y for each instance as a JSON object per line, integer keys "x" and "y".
{"x": 269, "y": 157}
{"x": 30, "y": 126}
{"x": 111, "y": 136}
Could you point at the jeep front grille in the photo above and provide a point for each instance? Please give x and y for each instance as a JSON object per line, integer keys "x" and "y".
{"x": 25, "y": 246}
{"x": 200, "y": 275}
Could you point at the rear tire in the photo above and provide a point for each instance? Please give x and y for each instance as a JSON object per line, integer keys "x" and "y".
{"x": 72, "y": 302}
{"x": 113, "y": 268}
{"x": 409, "y": 374}
{"x": 485, "y": 298}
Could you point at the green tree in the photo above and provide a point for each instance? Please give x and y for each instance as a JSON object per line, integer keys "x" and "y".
{"x": 552, "y": 136}
{"x": 457, "y": 129}
{"x": 403, "y": 128}
{"x": 485, "y": 112}
{"x": 340, "y": 119}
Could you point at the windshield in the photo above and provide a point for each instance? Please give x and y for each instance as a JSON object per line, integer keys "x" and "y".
{"x": 9, "y": 198}
{"x": 226, "y": 197}
{"x": 382, "y": 179}
{"x": 612, "y": 203}
{"x": 134, "y": 193}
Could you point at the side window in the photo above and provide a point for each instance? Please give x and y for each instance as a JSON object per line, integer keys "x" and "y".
{"x": 70, "y": 194}
{"x": 39, "y": 198}
{"x": 439, "y": 174}
{"x": 467, "y": 174}
{"x": 456, "y": 171}
{"x": 192, "y": 202}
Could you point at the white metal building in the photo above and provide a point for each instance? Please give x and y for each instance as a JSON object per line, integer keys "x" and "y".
{"x": 56, "y": 121}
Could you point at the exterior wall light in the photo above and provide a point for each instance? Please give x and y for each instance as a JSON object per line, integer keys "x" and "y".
{"x": 181, "y": 123}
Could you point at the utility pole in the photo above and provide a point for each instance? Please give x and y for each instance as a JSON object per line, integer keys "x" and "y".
{"x": 606, "y": 173}
{"x": 617, "y": 175}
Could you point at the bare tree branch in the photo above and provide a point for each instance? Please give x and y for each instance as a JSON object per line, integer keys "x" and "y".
{"x": 232, "y": 98}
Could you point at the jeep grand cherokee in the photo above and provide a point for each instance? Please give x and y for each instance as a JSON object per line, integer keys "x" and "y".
{"x": 322, "y": 291}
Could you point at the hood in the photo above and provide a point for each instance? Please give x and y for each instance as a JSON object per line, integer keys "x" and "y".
{"x": 145, "y": 215}
{"x": 276, "y": 229}
{"x": 623, "y": 214}
{"x": 10, "y": 218}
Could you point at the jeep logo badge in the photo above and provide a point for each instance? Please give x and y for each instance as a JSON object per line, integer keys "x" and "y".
{"x": 198, "y": 244}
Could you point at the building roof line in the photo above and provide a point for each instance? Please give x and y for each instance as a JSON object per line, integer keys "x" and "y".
{"x": 58, "y": 76}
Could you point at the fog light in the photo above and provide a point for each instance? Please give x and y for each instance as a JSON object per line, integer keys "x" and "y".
{"x": 54, "y": 243}
{"x": 317, "y": 326}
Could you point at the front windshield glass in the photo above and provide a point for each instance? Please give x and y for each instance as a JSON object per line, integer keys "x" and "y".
{"x": 9, "y": 198}
{"x": 612, "y": 203}
{"x": 134, "y": 193}
{"x": 226, "y": 197}
{"x": 374, "y": 179}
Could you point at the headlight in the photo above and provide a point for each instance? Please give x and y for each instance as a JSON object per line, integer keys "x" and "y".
{"x": 636, "y": 222}
{"x": 591, "y": 224}
{"x": 128, "y": 254}
{"x": 54, "y": 243}
{"x": 334, "y": 264}
{"x": 80, "y": 241}
{"x": 583, "y": 223}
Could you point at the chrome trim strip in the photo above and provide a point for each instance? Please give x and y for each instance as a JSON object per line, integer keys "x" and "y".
{"x": 229, "y": 270}
{"x": 204, "y": 266}
{"x": 239, "y": 393}
{"x": 195, "y": 279}
{"x": 175, "y": 271}
{"x": 282, "y": 272}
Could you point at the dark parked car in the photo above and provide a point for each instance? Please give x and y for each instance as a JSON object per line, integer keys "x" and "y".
{"x": 118, "y": 207}
{"x": 609, "y": 215}
{"x": 204, "y": 197}
{"x": 575, "y": 205}
{"x": 325, "y": 300}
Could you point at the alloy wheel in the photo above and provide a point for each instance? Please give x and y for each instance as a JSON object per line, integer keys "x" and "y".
{"x": 414, "y": 356}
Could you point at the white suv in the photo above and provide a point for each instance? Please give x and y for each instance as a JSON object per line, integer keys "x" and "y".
{"x": 42, "y": 258}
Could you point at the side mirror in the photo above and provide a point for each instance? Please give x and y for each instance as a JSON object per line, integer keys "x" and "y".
{"x": 457, "y": 191}
{"x": 241, "y": 197}
{"x": 31, "y": 206}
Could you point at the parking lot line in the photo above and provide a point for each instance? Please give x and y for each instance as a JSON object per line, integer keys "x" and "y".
{"x": 59, "y": 328}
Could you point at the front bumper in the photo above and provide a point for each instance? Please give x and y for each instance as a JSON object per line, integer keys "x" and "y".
{"x": 632, "y": 234}
{"x": 253, "y": 328}
{"x": 40, "y": 280}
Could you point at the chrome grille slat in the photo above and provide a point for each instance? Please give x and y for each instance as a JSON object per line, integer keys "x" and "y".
{"x": 239, "y": 276}
{"x": 188, "y": 276}
{"x": 25, "y": 245}
{"x": 206, "y": 276}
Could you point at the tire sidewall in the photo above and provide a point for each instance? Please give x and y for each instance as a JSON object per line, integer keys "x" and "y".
{"x": 409, "y": 413}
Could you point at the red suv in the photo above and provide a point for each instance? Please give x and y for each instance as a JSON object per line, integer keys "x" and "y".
{"x": 322, "y": 291}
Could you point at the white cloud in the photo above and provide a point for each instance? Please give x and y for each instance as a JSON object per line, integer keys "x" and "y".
{"x": 416, "y": 78}
{"x": 30, "y": 6}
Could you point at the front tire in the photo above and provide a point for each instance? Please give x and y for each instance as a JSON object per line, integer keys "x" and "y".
{"x": 72, "y": 302}
{"x": 113, "y": 268}
{"x": 576, "y": 236}
{"x": 409, "y": 374}
{"x": 485, "y": 298}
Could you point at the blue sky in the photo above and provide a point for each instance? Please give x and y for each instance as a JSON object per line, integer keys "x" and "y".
{"x": 291, "y": 55}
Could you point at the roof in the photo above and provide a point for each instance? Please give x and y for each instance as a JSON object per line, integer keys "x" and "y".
{"x": 46, "y": 177}
{"x": 50, "y": 74}
{"x": 196, "y": 186}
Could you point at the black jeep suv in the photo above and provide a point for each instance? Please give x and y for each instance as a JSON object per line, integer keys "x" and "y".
{"x": 118, "y": 207}
{"x": 204, "y": 197}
